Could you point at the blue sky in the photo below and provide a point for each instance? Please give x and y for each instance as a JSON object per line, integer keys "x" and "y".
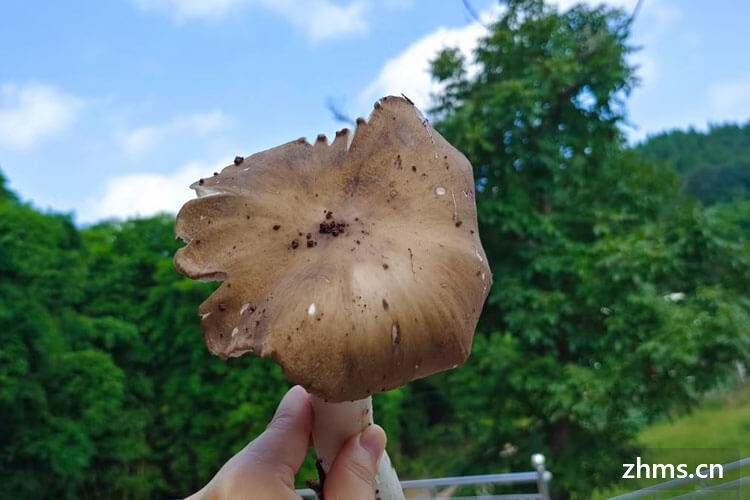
{"x": 110, "y": 109}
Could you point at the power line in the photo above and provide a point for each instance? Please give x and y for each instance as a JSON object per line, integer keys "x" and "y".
{"x": 636, "y": 10}
{"x": 472, "y": 12}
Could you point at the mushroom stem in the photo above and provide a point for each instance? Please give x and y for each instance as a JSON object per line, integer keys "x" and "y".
{"x": 334, "y": 424}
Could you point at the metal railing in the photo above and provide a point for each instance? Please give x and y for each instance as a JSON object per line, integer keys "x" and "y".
{"x": 540, "y": 476}
{"x": 684, "y": 481}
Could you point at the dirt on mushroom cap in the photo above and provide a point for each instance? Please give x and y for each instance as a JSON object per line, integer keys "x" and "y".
{"x": 311, "y": 242}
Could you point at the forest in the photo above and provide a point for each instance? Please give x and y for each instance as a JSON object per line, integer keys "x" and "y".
{"x": 620, "y": 296}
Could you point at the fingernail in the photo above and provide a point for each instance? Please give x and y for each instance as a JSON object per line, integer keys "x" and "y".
{"x": 373, "y": 440}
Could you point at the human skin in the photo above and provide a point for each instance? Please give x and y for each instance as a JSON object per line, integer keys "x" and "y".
{"x": 265, "y": 468}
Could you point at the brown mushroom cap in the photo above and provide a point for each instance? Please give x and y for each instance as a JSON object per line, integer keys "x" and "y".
{"x": 357, "y": 265}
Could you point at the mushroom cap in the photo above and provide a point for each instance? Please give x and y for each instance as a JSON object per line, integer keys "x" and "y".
{"x": 357, "y": 266}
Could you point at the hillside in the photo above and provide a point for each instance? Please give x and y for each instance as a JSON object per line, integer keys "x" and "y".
{"x": 714, "y": 165}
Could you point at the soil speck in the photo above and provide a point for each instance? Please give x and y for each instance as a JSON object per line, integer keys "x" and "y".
{"x": 333, "y": 228}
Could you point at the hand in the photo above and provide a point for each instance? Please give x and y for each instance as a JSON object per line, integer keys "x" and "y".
{"x": 265, "y": 468}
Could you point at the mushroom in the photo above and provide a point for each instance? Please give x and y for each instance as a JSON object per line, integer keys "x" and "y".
{"x": 355, "y": 265}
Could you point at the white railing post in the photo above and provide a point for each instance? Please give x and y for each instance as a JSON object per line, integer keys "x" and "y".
{"x": 542, "y": 476}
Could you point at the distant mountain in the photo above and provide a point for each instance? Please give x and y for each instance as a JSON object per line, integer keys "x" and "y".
{"x": 714, "y": 165}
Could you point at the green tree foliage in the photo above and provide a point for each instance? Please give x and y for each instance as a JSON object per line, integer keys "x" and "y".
{"x": 61, "y": 399}
{"x": 615, "y": 298}
{"x": 5, "y": 193}
{"x": 106, "y": 389}
{"x": 201, "y": 409}
{"x": 714, "y": 165}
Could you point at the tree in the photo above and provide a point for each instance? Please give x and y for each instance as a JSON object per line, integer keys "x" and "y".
{"x": 578, "y": 346}
{"x": 200, "y": 409}
{"x": 106, "y": 388}
{"x": 62, "y": 400}
{"x": 5, "y": 193}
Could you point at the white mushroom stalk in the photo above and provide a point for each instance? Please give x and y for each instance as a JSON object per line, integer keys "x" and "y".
{"x": 334, "y": 424}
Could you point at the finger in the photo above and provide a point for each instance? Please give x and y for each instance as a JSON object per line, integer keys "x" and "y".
{"x": 284, "y": 443}
{"x": 352, "y": 475}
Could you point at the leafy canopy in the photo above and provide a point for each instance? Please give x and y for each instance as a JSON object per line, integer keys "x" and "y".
{"x": 579, "y": 345}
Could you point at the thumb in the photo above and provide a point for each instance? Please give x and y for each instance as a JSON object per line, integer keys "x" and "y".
{"x": 352, "y": 475}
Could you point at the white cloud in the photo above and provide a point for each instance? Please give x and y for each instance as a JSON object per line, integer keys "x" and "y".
{"x": 140, "y": 140}
{"x": 647, "y": 67}
{"x": 322, "y": 19}
{"x": 146, "y": 194}
{"x": 654, "y": 23}
{"x": 730, "y": 99}
{"x": 408, "y": 72}
{"x": 33, "y": 112}
{"x": 318, "y": 19}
